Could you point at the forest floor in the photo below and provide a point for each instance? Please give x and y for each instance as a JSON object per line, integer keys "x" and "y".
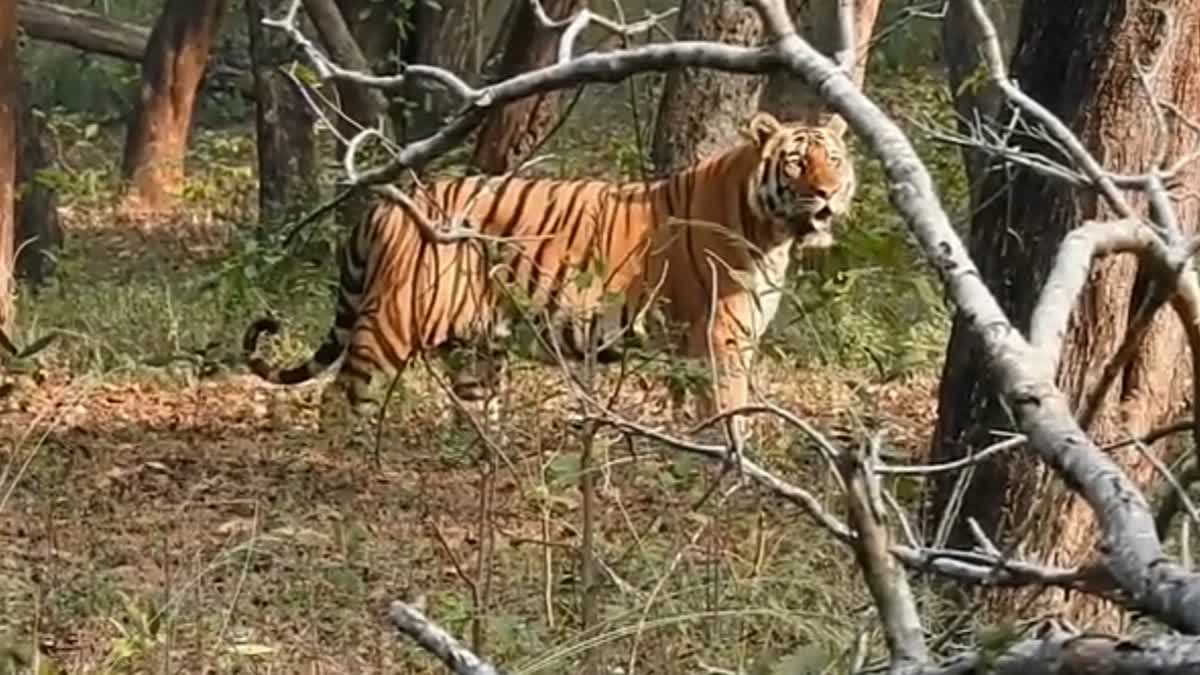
{"x": 154, "y": 518}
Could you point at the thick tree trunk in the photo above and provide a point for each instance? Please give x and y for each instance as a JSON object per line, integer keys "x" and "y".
{"x": 358, "y": 35}
{"x": 1079, "y": 59}
{"x": 10, "y": 89}
{"x": 38, "y": 230}
{"x": 510, "y": 134}
{"x": 787, "y": 96}
{"x": 704, "y": 111}
{"x": 287, "y": 152}
{"x": 173, "y": 70}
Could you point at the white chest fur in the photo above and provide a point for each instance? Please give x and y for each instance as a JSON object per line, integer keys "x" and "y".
{"x": 767, "y": 285}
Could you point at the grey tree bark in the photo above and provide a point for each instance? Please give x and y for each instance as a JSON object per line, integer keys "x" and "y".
{"x": 703, "y": 111}
{"x": 38, "y": 230}
{"x": 789, "y": 98}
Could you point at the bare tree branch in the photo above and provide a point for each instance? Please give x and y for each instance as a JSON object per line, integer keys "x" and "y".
{"x": 886, "y": 580}
{"x": 994, "y": 60}
{"x": 1069, "y": 274}
{"x": 434, "y": 639}
{"x": 573, "y": 26}
{"x": 1062, "y": 653}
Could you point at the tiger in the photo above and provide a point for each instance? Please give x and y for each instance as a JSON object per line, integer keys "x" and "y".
{"x": 707, "y": 246}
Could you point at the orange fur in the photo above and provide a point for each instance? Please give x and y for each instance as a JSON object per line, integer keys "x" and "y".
{"x": 730, "y": 220}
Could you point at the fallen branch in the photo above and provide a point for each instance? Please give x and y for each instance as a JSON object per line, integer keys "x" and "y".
{"x": 435, "y": 640}
{"x": 1061, "y": 653}
{"x": 886, "y": 580}
{"x": 91, "y": 32}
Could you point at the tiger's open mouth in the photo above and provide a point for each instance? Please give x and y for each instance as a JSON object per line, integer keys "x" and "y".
{"x": 815, "y": 230}
{"x": 809, "y": 223}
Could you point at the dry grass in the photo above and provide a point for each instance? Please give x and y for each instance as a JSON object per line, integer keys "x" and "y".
{"x": 161, "y": 511}
{"x": 200, "y": 525}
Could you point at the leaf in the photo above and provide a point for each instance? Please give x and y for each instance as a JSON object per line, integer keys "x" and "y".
{"x": 250, "y": 649}
{"x": 91, "y": 131}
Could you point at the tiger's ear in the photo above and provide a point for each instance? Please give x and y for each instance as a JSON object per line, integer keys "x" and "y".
{"x": 836, "y": 124}
{"x": 762, "y": 127}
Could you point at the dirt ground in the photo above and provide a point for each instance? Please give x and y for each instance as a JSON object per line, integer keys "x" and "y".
{"x": 191, "y": 525}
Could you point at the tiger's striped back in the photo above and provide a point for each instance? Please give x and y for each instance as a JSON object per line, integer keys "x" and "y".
{"x": 688, "y": 239}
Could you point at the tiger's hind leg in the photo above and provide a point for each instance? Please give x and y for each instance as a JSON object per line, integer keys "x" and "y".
{"x": 351, "y": 406}
{"x": 347, "y": 409}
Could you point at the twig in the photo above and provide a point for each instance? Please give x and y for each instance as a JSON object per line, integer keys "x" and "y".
{"x": 1178, "y": 486}
{"x": 962, "y": 463}
{"x": 994, "y": 60}
{"x": 573, "y": 26}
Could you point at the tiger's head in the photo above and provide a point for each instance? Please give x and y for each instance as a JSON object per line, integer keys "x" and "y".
{"x": 804, "y": 178}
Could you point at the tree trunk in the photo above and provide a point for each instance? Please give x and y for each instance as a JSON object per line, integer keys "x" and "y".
{"x": 960, "y": 38}
{"x": 511, "y": 133}
{"x": 703, "y": 111}
{"x": 363, "y": 106}
{"x": 452, "y": 34}
{"x": 337, "y": 23}
{"x": 787, "y": 96}
{"x": 10, "y": 86}
{"x": 38, "y": 230}
{"x": 1079, "y": 60}
{"x": 287, "y": 152}
{"x": 172, "y": 73}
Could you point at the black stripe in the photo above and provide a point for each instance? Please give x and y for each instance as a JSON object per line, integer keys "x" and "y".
{"x": 450, "y": 194}
{"x": 565, "y": 219}
{"x": 750, "y": 226}
{"x": 689, "y": 183}
{"x": 522, "y": 199}
{"x": 496, "y": 197}
{"x": 432, "y": 309}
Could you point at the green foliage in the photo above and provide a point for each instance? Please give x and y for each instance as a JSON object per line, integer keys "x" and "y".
{"x": 78, "y": 82}
{"x": 219, "y": 172}
{"x": 139, "y": 630}
{"x": 872, "y": 301}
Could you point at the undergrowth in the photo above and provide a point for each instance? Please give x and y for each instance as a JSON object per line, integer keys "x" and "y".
{"x": 161, "y": 516}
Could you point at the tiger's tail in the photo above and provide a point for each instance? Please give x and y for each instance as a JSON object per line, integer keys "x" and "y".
{"x": 325, "y": 355}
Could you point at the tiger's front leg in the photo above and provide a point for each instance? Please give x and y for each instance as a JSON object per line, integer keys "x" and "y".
{"x": 721, "y": 348}
{"x": 478, "y": 378}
